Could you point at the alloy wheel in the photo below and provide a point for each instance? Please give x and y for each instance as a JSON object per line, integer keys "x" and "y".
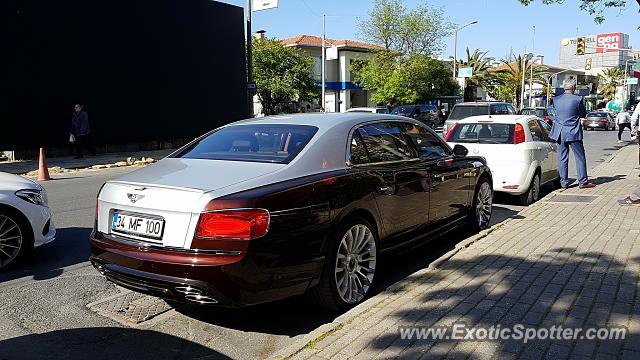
{"x": 484, "y": 202}
{"x": 10, "y": 240}
{"x": 355, "y": 264}
{"x": 535, "y": 189}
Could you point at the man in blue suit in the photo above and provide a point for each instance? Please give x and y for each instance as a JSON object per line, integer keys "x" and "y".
{"x": 567, "y": 132}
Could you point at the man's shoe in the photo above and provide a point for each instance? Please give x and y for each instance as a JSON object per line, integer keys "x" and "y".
{"x": 587, "y": 186}
{"x": 628, "y": 201}
{"x": 620, "y": 141}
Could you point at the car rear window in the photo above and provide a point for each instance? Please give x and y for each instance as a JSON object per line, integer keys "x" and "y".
{"x": 597, "y": 114}
{"x": 536, "y": 112}
{"x": 252, "y": 143}
{"x": 483, "y": 133}
{"x": 403, "y": 110}
{"x": 460, "y": 112}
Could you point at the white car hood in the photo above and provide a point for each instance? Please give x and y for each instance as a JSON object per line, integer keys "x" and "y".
{"x": 15, "y": 182}
{"x": 203, "y": 175}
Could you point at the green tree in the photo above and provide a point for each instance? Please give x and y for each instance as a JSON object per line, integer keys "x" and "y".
{"x": 282, "y": 75}
{"x": 398, "y": 80}
{"x": 481, "y": 76}
{"x": 418, "y": 31}
{"x": 510, "y": 77}
{"x": 610, "y": 79}
{"x": 596, "y": 8}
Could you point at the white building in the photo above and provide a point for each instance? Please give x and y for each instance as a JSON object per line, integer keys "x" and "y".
{"x": 341, "y": 92}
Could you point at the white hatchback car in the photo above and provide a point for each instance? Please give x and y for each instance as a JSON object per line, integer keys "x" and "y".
{"x": 517, "y": 148}
{"x": 25, "y": 218}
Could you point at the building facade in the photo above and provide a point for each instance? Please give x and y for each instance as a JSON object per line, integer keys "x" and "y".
{"x": 593, "y": 53}
{"x": 341, "y": 93}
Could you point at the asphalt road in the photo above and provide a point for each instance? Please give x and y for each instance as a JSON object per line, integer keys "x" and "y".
{"x": 43, "y": 300}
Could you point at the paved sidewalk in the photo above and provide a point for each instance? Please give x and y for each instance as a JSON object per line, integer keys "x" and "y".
{"x": 574, "y": 264}
{"x": 60, "y": 164}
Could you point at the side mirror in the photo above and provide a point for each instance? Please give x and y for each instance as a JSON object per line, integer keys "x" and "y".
{"x": 460, "y": 151}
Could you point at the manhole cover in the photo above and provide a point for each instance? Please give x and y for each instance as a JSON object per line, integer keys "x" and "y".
{"x": 130, "y": 307}
{"x": 562, "y": 198}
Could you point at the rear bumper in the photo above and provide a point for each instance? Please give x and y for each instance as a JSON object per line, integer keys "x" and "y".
{"x": 597, "y": 125}
{"x": 231, "y": 280}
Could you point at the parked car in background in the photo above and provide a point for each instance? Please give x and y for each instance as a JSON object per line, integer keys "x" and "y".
{"x": 545, "y": 113}
{"x": 518, "y": 150}
{"x": 25, "y": 218}
{"x": 306, "y": 203}
{"x": 372, "y": 110}
{"x": 426, "y": 114}
{"x": 599, "y": 120}
{"x": 462, "y": 111}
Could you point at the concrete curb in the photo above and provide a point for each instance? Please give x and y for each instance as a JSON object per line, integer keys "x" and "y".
{"x": 327, "y": 329}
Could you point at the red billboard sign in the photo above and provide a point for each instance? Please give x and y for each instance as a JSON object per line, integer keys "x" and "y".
{"x": 608, "y": 42}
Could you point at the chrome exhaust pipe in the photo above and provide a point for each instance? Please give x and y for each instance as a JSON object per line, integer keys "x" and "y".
{"x": 201, "y": 299}
{"x": 194, "y": 294}
{"x": 98, "y": 267}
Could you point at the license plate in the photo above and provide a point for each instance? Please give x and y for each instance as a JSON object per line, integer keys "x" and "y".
{"x": 147, "y": 226}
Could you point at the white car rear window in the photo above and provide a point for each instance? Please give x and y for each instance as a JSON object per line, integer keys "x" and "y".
{"x": 483, "y": 133}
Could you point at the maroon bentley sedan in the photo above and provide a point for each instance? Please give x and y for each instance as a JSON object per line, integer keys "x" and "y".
{"x": 264, "y": 209}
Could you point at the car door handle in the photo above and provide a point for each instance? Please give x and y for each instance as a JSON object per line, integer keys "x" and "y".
{"x": 539, "y": 147}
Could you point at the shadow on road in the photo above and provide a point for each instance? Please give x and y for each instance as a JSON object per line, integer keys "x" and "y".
{"x": 104, "y": 343}
{"x": 71, "y": 247}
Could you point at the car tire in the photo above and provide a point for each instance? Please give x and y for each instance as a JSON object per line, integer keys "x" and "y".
{"x": 533, "y": 193}
{"x": 613, "y": 128}
{"x": 349, "y": 267}
{"x": 16, "y": 237}
{"x": 479, "y": 217}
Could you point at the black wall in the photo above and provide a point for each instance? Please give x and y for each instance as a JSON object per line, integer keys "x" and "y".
{"x": 145, "y": 69}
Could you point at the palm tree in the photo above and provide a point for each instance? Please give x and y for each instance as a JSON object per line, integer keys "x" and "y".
{"x": 511, "y": 75}
{"x": 481, "y": 76}
{"x": 611, "y": 78}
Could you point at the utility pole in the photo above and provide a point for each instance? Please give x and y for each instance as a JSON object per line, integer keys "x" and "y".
{"x": 324, "y": 39}
{"x": 532, "y": 63}
{"x": 249, "y": 60}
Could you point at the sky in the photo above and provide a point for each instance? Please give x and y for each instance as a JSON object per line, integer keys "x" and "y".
{"x": 503, "y": 25}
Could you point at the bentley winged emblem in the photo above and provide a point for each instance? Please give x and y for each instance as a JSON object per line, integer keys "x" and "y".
{"x": 134, "y": 197}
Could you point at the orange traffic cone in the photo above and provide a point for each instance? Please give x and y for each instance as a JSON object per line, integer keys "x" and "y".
{"x": 43, "y": 170}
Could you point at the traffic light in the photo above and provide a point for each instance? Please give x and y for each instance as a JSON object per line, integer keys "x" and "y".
{"x": 587, "y": 64}
{"x": 581, "y": 46}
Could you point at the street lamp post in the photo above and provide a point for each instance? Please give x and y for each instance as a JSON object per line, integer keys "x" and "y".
{"x": 523, "y": 70}
{"x": 249, "y": 59}
{"x": 324, "y": 39}
{"x": 455, "y": 46}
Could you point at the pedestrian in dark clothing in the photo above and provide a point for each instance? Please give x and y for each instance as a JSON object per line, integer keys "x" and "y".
{"x": 81, "y": 131}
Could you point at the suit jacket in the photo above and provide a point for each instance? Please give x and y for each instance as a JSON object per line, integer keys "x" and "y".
{"x": 80, "y": 124}
{"x": 566, "y": 124}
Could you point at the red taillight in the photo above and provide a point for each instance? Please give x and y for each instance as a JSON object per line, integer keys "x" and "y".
{"x": 450, "y": 132}
{"x": 243, "y": 224}
{"x": 518, "y": 136}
